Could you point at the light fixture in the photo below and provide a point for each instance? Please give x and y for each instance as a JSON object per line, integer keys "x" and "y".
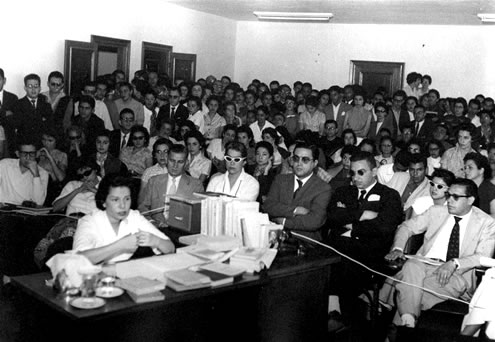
{"x": 293, "y": 16}
{"x": 487, "y": 17}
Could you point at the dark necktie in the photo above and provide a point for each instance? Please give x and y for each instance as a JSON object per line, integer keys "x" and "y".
{"x": 417, "y": 128}
{"x": 153, "y": 122}
{"x": 124, "y": 142}
{"x": 172, "y": 113}
{"x": 361, "y": 196}
{"x": 299, "y": 188}
{"x": 453, "y": 249}
{"x": 33, "y": 103}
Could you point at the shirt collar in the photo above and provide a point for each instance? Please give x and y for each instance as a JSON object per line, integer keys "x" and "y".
{"x": 368, "y": 189}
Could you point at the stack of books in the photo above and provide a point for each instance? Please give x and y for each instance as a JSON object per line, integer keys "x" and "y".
{"x": 253, "y": 259}
{"x": 142, "y": 289}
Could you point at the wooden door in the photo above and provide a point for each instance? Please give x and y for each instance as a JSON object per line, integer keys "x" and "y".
{"x": 156, "y": 57}
{"x": 79, "y": 65}
{"x": 184, "y": 67}
{"x": 372, "y": 75}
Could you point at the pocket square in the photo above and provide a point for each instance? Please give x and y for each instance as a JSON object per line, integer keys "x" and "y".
{"x": 374, "y": 197}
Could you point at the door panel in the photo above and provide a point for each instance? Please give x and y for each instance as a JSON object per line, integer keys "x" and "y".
{"x": 371, "y": 75}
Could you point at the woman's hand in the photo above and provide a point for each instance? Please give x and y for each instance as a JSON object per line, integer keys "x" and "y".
{"x": 268, "y": 167}
{"x": 89, "y": 186}
{"x": 128, "y": 243}
{"x": 145, "y": 239}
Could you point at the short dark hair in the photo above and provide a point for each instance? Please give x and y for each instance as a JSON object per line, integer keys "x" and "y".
{"x": 142, "y": 129}
{"x": 126, "y": 111}
{"x": 103, "y": 133}
{"x": 426, "y": 77}
{"x": 2, "y": 74}
{"x": 266, "y": 145}
{"x": 245, "y": 129}
{"x": 197, "y": 100}
{"x": 331, "y": 121}
{"x": 470, "y": 187}
{"x": 314, "y": 149}
{"x": 369, "y": 142}
{"x": 349, "y": 149}
{"x": 417, "y": 158}
{"x": 362, "y": 155}
{"x": 108, "y": 182}
{"x": 402, "y": 158}
{"x": 231, "y": 127}
{"x": 467, "y": 127}
{"x": 447, "y": 176}
{"x": 56, "y": 74}
{"x": 481, "y": 162}
{"x": 196, "y": 135}
{"x": 434, "y": 91}
{"x": 126, "y": 84}
{"x": 32, "y": 77}
{"x": 349, "y": 130}
{"x": 236, "y": 146}
{"x": 312, "y": 101}
{"x": 178, "y": 148}
{"x": 271, "y": 132}
{"x": 89, "y": 100}
{"x": 162, "y": 141}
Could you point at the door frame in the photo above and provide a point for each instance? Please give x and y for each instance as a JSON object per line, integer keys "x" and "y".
{"x": 358, "y": 67}
{"x": 166, "y": 49}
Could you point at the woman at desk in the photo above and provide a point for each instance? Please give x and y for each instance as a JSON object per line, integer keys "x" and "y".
{"x": 235, "y": 182}
{"x": 114, "y": 232}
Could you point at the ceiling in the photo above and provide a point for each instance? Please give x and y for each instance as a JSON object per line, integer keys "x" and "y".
{"x": 432, "y": 12}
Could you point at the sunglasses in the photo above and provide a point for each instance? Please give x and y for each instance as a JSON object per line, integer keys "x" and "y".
{"x": 74, "y": 137}
{"x": 455, "y": 196}
{"x": 25, "y": 154}
{"x": 85, "y": 173}
{"x": 235, "y": 160}
{"x": 304, "y": 160}
{"x": 141, "y": 137}
{"x": 438, "y": 186}
{"x": 359, "y": 172}
{"x": 53, "y": 84}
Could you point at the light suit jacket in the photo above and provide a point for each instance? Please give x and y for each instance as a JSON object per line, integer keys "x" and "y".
{"x": 479, "y": 238}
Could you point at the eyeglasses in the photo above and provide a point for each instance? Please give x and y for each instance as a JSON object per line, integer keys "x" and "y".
{"x": 32, "y": 86}
{"x": 438, "y": 186}
{"x": 53, "y": 84}
{"x": 304, "y": 160}
{"x": 359, "y": 172}
{"x": 25, "y": 154}
{"x": 455, "y": 196}
{"x": 74, "y": 137}
{"x": 85, "y": 173}
{"x": 141, "y": 137}
{"x": 234, "y": 159}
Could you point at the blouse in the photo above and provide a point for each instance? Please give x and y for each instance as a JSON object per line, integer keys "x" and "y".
{"x": 199, "y": 165}
{"x": 245, "y": 187}
{"x": 136, "y": 160}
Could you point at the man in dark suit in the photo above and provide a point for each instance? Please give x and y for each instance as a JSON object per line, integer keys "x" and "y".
{"x": 122, "y": 137}
{"x": 299, "y": 201}
{"x": 89, "y": 122}
{"x": 423, "y": 127}
{"x": 397, "y": 113}
{"x": 7, "y": 102}
{"x": 174, "y": 110}
{"x": 456, "y": 237}
{"x": 176, "y": 182}
{"x": 32, "y": 114}
{"x": 362, "y": 219}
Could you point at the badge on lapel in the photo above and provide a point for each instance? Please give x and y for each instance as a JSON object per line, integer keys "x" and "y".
{"x": 373, "y": 197}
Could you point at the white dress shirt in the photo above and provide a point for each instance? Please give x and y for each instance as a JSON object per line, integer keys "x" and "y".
{"x": 245, "y": 187}
{"x": 17, "y": 187}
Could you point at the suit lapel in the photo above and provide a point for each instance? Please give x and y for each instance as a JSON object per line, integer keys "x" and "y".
{"x": 470, "y": 233}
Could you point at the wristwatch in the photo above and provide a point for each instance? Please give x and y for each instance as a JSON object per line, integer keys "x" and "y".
{"x": 456, "y": 263}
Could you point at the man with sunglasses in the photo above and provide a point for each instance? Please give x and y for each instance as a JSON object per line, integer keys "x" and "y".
{"x": 155, "y": 194}
{"x": 456, "y": 236}
{"x": 362, "y": 219}
{"x": 174, "y": 110}
{"x": 299, "y": 200}
{"x": 57, "y": 98}
{"x": 22, "y": 179}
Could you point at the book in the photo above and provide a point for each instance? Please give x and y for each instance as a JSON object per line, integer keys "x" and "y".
{"x": 201, "y": 252}
{"x": 180, "y": 287}
{"x": 219, "y": 243}
{"x": 140, "y": 285}
{"x": 187, "y": 278}
{"x": 264, "y": 260}
{"x": 216, "y": 279}
{"x": 146, "y": 298}
{"x": 250, "y": 253}
{"x": 190, "y": 239}
{"x": 221, "y": 268}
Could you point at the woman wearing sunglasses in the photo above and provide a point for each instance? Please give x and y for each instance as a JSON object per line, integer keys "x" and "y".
{"x": 137, "y": 157}
{"x": 440, "y": 181}
{"x": 235, "y": 182}
{"x": 477, "y": 168}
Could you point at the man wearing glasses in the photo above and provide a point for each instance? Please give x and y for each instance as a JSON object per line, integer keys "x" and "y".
{"x": 120, "y": 138}
{"x": 56, "y": 97}
{"x": 32, "y": 114}
{"x": 174, "y": 110}
{"x": 155, "y": 196}
{"x": 22, "y": 179}
{"x": 456, "y": 236}
{"x": 362, "y": 219}
{"x": 299, "y": 201}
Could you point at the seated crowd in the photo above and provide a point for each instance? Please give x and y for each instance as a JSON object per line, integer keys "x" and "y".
{"x": 362, "y": 173}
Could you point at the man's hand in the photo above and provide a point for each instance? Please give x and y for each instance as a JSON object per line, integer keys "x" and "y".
{"x": 32, "y": 165}
{"x": 394, "y": 255}
{"x": 368, "y": 215}
{"x": 301, "y": 211}
{"x": 145, "y": 239}
{"x": 444, "y": 272}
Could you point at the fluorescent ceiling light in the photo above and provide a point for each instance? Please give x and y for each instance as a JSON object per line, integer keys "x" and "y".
{"x": 487, "y": 17}
{"x": 293, "y": 16}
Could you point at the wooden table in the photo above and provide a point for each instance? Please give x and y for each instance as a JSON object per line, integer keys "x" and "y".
{"x": 286, "y": 303}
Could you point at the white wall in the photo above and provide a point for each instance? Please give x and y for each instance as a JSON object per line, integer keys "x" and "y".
{"x": 459, "y": 58}
{"x": 33, "y": 34}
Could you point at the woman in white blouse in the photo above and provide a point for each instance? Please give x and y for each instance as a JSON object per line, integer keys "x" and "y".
{"x": 199, "y": 166}
{"x": 114, "y": 232}
{"x": 235, "y": 182}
